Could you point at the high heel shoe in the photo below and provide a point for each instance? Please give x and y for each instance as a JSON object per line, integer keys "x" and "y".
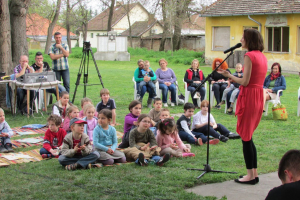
{"x": 256, "y": 178}
{"x": 251, "y": 182}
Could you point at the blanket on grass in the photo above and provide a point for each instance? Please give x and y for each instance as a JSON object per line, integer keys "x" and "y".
{"x": 27, "y": 142}
{"x": 25, "y": 131}
{"x": 7, "y": 159}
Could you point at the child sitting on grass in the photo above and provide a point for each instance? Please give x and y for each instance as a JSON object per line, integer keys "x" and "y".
{"x": 108, "y": 103}
{"x": 5, "y": 134}
{"x": 200, "y": 124}
{"x": 61, "y": 106}
{"x": 77, "y": 152}
{"x": 184, "y": 124}
{"x": 154, "y": 113}
{"x": 85, "y": 101}
{"x": 89, "y": 112}
{"x": 143, "y": 144}
{"x": 135, "y": 108}
{"x": 106, "y": 141}
{"x": 72, "y": 112}
{"x": 169, "y": 141}
{"x": 54, "y": 137}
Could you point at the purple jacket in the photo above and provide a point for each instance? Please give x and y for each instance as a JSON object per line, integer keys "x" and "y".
{"x": 128, "y": 123}
{"x": 165, "y": 76}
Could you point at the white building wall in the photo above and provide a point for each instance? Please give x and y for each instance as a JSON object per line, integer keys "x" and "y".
{"x": 89, "y": 38}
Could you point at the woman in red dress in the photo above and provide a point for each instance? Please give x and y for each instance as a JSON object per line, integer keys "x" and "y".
{"x": 251, "y": 99}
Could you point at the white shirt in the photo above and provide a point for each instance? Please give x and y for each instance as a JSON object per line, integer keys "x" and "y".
{"x": 199, "y": 119}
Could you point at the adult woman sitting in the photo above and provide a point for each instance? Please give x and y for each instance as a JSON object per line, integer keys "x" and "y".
{"x": 218, "y": 80}
{"x": 145, "y": 88}
{"x": 193, "y": 77}
{"x": 274, "y": 82}
{"x": 166, "y": 78}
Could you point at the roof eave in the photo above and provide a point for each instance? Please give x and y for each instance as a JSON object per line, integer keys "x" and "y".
{"x": 266, "y": 13}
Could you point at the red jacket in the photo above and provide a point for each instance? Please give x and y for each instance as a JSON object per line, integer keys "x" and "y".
{"x": 190, "y": 75}
{"x": 53, "y": 140}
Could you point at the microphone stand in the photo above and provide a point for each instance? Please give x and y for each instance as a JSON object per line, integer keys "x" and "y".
{"x": 207, "y": 167}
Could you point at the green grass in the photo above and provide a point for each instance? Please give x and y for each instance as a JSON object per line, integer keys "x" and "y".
{"x": 47, "y": 179}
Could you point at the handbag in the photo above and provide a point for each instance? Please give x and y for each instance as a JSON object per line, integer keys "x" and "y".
{"x": 279, "y": 112}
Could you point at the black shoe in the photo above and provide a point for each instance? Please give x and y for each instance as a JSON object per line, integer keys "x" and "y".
{"x": 233, "y": 135}
{"x": 9, "y": 147}
{"x": 218, "y": 107}
{"x": 3, "y": 149}
{"x": 251, "y": 182}
{"x": 163, "y": 160}
{"x": 142, "y": 160}
{"x": 256, "y": 178}
{"x": 223, "y": 138}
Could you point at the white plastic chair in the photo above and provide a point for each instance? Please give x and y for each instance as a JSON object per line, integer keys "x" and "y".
{"x": 276, "y": 101}
{"x": 158, "y": 92}
{"x": 41, "y": 98}
{"x": 135, "y": 89}
{"x": 187, "y": 94}
{"x": 212, "y": 97}
{"x": 298, "y": 111}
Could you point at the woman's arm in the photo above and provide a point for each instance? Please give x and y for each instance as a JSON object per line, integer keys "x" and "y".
{"x": 157, "y": 72}
{"x": 247, "y": 73}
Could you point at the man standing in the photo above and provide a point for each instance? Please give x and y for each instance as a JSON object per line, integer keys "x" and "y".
{"x": 20, "y": 70}
{"x": 59, "y": 54}
{"x": 289, "y": 174}
{"x": 41, "y": 66}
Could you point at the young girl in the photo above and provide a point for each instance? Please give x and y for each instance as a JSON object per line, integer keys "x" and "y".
{"x": 169, "y": 141}
{"x": 61, "y": 106}
{"x": 85, "y": 101}
{"x": 135, "y": 108}
{"x": 89, "y": 111}
{"x": 200, "y": 124}
{"x": 143, "y": 144}
{"x": 72, "y": 112}
{"x": 105, "y": 140}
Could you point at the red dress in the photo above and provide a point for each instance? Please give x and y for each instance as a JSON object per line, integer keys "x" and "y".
{"x": 250, "y": 102}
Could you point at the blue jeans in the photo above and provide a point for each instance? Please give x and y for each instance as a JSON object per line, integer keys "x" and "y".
{"x": 218, "y": 91}
{"x": 4, "y": 140}
{"x": 228, "y": 98}
{"x": 65, "y": 75}
{"x": 83, "y": 161}
{"x": 149, "y": 84}
{"x": 164, "y": 91}
{"x": 184, "y": 136}
{"x": 53, "y": 90}
{"x": 20, "y": 97}
{"x": 144, "y": 90}
{"x": 155, "y": 158}
{"x": 202, "y": 91}
{"x": 213, "y": 132}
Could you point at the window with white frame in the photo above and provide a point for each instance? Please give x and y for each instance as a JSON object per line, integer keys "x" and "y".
{"x": 221, "y": 38}
{"x": 92, "y": 35}
{"x": 277, "y": 39}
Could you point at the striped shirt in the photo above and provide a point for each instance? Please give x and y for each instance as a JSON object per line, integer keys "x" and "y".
{"x": 61, "y": 63}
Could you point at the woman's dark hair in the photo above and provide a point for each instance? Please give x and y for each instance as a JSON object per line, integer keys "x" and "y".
{"x": 279, "y": 67}
{"x": 133, "y": 104}
{"x": 253, "y": 40}
{"x": 106, "y": 112}
{"x": 165, "y": 124}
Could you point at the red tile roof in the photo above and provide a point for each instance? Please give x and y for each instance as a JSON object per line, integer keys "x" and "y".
{"x": 251, "y": 7}
{"x": 37, "y": 25}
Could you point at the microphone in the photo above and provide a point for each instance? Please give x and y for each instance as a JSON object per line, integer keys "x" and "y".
{"x": 238, "y": 45}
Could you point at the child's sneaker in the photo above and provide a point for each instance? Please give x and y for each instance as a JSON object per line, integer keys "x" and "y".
{"x": 214, "y": 141}
{"x": 8, "y": 146}
{"x": 223, "y": 138}
{"x": 46, "y": 155}
{"x": 163, "y": 160}
{"x": 3, "y": 149}
{"x": 199, "y": 140}
{"x": 142, "y": 160}
{"x": 188, "y": 155}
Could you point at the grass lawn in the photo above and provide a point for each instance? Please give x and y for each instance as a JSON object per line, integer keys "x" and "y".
{"x": 47, "y": 179}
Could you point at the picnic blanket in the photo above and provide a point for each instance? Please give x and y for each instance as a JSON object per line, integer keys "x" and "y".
{"x": 119, "y": 134}
{"x": 26, "y": 131}
{"x": 7, "y": 159}
{"x": 27, "y": 142}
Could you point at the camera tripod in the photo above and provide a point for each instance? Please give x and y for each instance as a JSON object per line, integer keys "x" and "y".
{"x": 84, "y": 65}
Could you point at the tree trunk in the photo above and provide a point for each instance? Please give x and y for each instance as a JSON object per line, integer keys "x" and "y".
{"x": 110, "y": 16}
{"x": 18, "y": 10}
{"x": 51, "y": 27}
{"x": 68, "y": 25}
{"x": 128, "y": 18}
{"x": 165, "y": 30}
{"x": 5, "y": 46}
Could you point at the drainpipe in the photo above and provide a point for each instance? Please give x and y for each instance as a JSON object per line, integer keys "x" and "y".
{"x": 259, "y": 29}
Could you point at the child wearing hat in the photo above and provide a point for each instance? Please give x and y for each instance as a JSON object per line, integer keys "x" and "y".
{"x": 77, "y": 152}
